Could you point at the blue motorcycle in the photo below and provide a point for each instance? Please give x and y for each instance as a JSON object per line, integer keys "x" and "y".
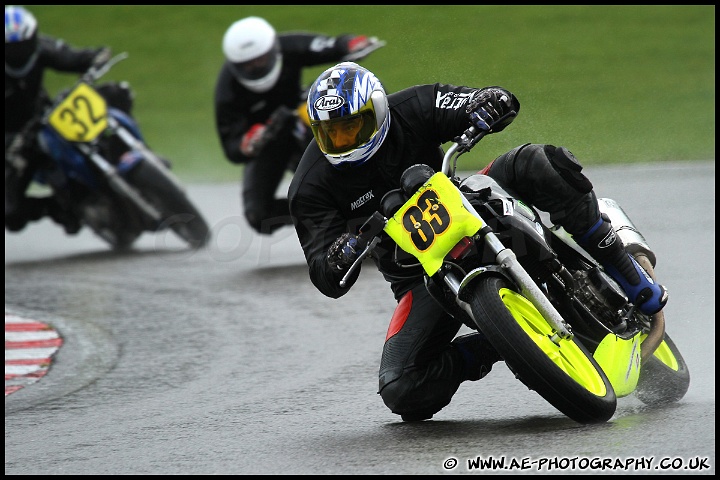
{"x": 104, "y": 172}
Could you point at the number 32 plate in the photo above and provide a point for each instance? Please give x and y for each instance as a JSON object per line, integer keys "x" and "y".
{"x": 82, "y": 116}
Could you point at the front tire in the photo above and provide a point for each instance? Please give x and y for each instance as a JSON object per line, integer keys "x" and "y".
{"x": 562, "y": 371}
{"x": 107, "y": 217}
{"x": 178, "y": 212}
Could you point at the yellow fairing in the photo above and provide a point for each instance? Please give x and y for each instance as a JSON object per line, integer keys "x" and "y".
{"x": 620, "y": 360}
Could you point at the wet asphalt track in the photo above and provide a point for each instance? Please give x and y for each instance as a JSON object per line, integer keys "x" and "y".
{"x": 228, "y": 361}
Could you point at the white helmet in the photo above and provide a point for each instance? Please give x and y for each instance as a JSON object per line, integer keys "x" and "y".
{"x": 252, "y": 48}
{"x": 21, "y": 41}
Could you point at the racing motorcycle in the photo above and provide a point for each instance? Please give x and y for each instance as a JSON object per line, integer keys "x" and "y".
{"x": 563, "y": 326}
{"x": 103, "y": 172}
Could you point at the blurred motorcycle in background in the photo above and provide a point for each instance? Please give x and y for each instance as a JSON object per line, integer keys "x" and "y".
{"x": 103, "y": 172}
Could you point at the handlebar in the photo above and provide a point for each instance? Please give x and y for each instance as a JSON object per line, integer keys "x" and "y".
{"x": 369, "y": 237}
{"x": 97, "y": 71}
{"x": 463, "y": 144}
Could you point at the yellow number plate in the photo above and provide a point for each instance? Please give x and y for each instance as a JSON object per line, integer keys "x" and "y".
{"x": 432, "y": 222}
{"x": 82, "y": 116}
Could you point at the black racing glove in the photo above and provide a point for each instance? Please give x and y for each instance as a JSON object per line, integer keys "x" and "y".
{"x": 343, "y": 252}
{"x": 360, "y": 46}
{"x": 260, "y": 134}
{"x": 491, "y": 109}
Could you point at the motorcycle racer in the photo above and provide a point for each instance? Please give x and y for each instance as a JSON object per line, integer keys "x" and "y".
{"x": 364, "y": 141}
{"x": 28, "y": 54}
{"x": 257, "y": 90}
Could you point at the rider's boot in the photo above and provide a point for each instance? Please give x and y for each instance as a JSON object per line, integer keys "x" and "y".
{"x": 63, "y": 216}
{"x": 478, "y": 353}
{"x": 29, "y": 209}
{"x": 605, "y": 246}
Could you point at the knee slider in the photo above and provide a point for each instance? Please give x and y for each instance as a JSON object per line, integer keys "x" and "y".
{"x": 568, "y": 167}
{"x": 401, "y": 397}
{"x": 392, "y": 391}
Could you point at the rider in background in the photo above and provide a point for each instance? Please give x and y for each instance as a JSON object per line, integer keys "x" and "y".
{"x": 262, "y": 71}
{"x": 27, "y": 55}
{"x": 364, "y": 141}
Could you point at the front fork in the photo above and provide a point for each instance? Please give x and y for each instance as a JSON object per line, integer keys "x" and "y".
{"x": 118, "y": 183}
{"x": 507, "y": 264}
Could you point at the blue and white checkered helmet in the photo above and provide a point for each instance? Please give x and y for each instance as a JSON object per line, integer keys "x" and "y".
{"x": 342, "y": 97}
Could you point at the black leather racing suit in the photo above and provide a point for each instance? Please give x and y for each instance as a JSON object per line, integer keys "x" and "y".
{"x": 237, "y": 109}
{"x": 420, "y": 369}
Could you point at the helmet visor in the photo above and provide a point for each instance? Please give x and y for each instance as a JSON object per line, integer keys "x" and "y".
{"x": 259, "y": 67}
{"x": 18, "y": 54}
{"x": 342, "y": 135}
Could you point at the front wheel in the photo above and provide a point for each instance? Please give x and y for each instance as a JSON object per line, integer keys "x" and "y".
{"x": 562, "y": 371}
{"x": 106, "y": 217}
{"x": 178, "y": 212}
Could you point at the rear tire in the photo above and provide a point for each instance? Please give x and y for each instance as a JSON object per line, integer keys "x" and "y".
{"x": 664, "y": 377}
{"x": 178, "y": 212}
{"x": 562, "y": 371}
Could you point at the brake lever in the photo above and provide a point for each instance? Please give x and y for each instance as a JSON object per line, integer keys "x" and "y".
{"x": 372, "y": 228}
{"x": 363, "y": 255}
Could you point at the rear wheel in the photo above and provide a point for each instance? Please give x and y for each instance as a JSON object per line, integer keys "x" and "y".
{"x": 562, "y": 371}
{"x": 178, "y": 212}
{"x": 664, "y": 377}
